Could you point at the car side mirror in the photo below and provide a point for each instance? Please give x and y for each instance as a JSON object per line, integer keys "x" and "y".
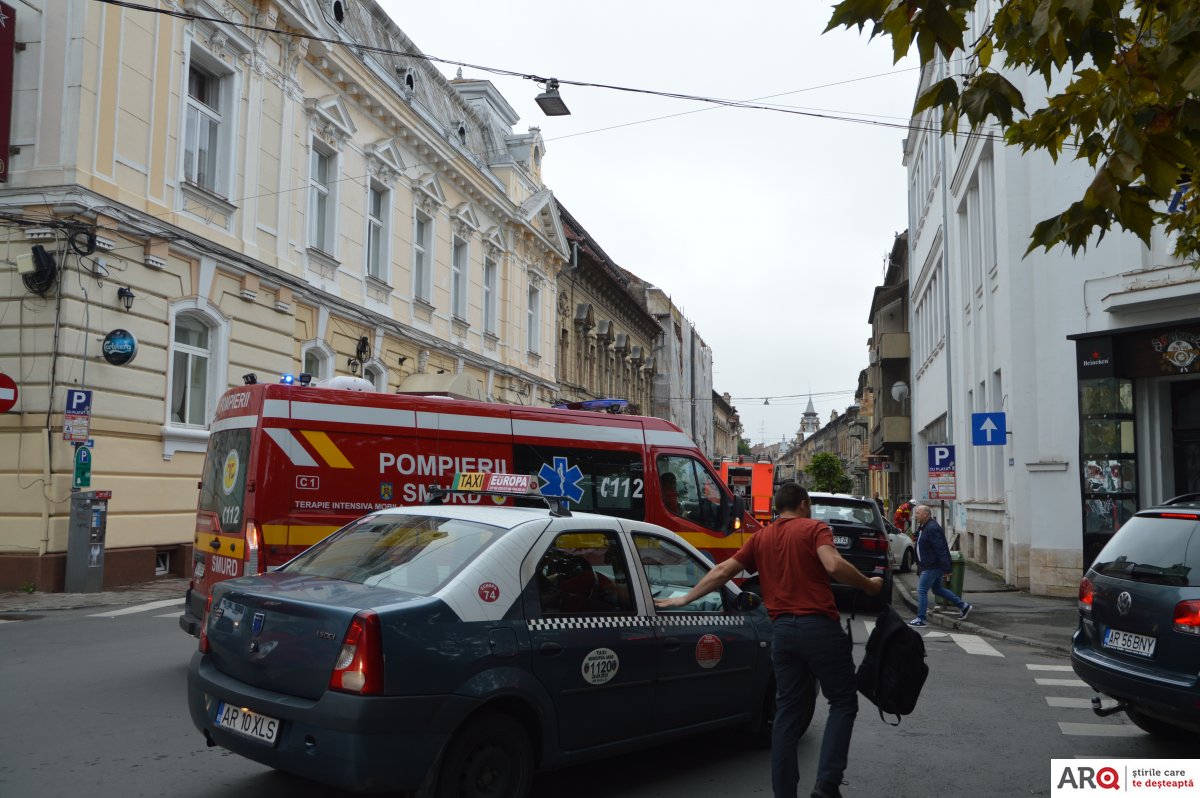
{"x": 747, "y": 601}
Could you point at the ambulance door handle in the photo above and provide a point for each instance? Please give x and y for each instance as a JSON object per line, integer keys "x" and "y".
{"x": 550, "y": 649}
{"x": 671, "y": 643}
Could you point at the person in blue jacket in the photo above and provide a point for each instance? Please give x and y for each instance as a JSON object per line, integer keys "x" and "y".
{"x": 933, "y": 562}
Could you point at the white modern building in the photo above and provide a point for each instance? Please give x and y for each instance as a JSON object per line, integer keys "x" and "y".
{"x": 1093, "y": 360}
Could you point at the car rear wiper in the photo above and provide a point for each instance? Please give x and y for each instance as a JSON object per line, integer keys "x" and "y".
{"x": 1155, "y": 573}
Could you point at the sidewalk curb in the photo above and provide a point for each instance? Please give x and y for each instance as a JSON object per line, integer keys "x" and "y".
{"x": 939, "y": 619}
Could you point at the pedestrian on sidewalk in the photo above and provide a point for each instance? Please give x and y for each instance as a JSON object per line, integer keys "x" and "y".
{"x": 933, "y": 564}
{"x": 794, "y": 556}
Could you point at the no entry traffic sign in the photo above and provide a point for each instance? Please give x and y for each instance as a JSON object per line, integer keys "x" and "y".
{"x": 8, "y": 393}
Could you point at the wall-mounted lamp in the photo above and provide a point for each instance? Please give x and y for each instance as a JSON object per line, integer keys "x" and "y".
{"x": 250, "y": 379}
{"x": 441, "y": 371}
{"x": 126, "y": 295}
{"x": 767, "y": 401}
{"x": 353, "y": 363}
{"x": 402, "y": 359}
{"x": 551, "y": 102}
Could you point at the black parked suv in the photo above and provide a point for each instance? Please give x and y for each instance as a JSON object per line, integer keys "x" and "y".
{"x": 859, "y": 534}
{"x": 1138, "y": 639}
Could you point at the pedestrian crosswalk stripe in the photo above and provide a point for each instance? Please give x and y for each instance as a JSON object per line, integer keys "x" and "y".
{"x": 1100, "y": 729}
{"x": 974, "y": 644}
{"x": 169, "y": 615}
{"x": 1061, "y": 682}
{"x": 935, "y": 635}
{"x": 1033, "y": 666}
{"x": 153, "y": 605}
{"x": 1076, "y": 703}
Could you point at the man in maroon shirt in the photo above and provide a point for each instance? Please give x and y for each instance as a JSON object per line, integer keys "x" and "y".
{"x": 795, "y": 557}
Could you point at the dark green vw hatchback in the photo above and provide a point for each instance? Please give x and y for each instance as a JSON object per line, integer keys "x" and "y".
{"x": 1138, "y": 639}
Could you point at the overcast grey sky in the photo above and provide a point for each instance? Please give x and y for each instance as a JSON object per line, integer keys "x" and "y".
{"x": 768, "y": 229}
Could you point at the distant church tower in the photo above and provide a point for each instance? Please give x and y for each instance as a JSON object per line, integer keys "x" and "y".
{"x": 810, "y": 423}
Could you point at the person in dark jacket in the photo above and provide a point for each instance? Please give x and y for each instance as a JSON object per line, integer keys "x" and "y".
{"x": 933, "y": 561}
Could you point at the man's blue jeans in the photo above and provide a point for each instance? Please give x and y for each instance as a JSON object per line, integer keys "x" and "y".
{"x": 815, "y": 644}
{"x": 931, "y": 578}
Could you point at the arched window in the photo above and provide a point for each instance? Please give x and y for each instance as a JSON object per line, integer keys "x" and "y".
{"x": 316, "y": 359}
{"x": 376, "y": 374}
{"x": 196, "y": 375}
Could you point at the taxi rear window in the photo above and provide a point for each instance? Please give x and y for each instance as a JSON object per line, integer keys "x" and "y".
{"x": 414, "y": 553}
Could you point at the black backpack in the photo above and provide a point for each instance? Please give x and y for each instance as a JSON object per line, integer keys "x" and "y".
{"x": 893, "y": 669}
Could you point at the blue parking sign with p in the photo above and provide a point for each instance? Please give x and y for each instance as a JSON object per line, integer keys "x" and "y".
{"x": 941, "y": 457}
{"x": 79, "y": 402}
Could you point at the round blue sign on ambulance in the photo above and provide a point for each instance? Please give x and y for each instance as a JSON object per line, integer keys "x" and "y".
{"x": 119, "y": 347}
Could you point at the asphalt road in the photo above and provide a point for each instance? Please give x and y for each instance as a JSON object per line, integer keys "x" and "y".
{"x": 96, "y": 706}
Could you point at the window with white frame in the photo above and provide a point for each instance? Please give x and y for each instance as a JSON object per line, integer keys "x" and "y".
{"x": 377, "y": 376}
{"x": 193, "y": 382}
{"x": 317, "y": 363}
{"x": 533, "y": 316}
{"x": 422, "y": 257}
{"x": 458, "y": 278}
{"x": 490, "y": 293}
{"x": 377, "y": 231}
{"x": 322, "y": 198}
{"x": 205, "y": 147}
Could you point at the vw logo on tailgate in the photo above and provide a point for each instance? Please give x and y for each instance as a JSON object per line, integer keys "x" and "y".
{"x": 1124, "y": 602}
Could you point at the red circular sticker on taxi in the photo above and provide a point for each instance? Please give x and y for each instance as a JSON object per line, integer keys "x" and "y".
{"x": 489, "y": 592}
{"x": 709, "y": 650}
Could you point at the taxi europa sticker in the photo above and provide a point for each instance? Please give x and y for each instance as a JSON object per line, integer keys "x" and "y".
{"x": 600, "y": 665}
{"x": 709, "y": 650}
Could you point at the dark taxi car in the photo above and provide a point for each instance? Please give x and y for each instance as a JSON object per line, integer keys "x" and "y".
{"x": 460, "y": 648}
{"x": 859, "y": 535}
{"x": 1138, "y": 639}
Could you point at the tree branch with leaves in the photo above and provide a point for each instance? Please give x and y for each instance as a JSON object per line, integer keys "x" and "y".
{"x": 1129, "y": 109}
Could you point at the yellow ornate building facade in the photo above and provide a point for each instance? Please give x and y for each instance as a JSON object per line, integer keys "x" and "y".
{"x": 303, "y": 195}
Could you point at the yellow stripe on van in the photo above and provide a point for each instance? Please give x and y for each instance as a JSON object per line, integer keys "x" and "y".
{"x": 295, "y": 534}
{"x": 325, "y": 447}
{"x": 227, "y": 546}
{"x": 702, "y": 541}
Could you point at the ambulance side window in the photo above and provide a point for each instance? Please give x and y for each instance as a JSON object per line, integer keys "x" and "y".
{"x": 672, "y": 571}
{"x": 697, "y": 494}
{"x": 584, "y": 573}
{"x": 610, "y": 482}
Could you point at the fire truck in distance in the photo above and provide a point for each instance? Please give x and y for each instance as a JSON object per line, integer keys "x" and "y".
{"x": 753, "y": 482}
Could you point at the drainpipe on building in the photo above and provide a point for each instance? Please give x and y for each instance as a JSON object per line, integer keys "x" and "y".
{"x": 946, "y": 519}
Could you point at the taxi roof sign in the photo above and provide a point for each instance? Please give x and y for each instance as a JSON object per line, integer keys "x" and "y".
{"x": 484, "y": 482}
{"x": 502, "y": 486}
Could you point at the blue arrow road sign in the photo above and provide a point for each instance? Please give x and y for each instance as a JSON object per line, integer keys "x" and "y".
{"x": 988, "y": 429}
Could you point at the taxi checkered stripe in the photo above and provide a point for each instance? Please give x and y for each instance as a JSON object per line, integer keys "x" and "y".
{"x": 627, "y": 621}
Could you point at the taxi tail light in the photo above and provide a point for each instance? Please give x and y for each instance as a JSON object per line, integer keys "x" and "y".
{"x": 204, "y": 625}
{"x": 359, "y": 666}
{"x": 1187, "y": 617}
{"x": 1087, "y": 594}
{"x": 255, "y": 564}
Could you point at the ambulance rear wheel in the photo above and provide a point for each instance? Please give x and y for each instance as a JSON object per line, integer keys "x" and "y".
{"x": 490, "y": 757}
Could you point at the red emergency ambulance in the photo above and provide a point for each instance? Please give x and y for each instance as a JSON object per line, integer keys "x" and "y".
{"x": 287, "y": 465}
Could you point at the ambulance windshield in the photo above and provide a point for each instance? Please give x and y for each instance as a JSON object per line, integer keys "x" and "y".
{"x": 223, "y": 484}
{"x": 414, "y": 553}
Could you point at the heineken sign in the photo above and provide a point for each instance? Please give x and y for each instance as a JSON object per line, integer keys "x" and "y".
{"x": 119, "y": 347}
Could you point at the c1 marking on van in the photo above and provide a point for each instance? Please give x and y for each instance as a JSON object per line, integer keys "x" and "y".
{"x": 326, "y": 448}
{"x": 308, "y": 482}
{"x": 229, "y": 473}
{"x": 600, "y": 666}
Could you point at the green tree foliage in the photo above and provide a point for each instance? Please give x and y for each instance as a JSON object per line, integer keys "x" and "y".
{"x": 1129, "y": 109}
{"x": 827, "y": 473}
{"x": 743, "y": 446}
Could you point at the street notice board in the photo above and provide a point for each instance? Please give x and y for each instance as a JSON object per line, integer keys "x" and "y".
{"x": 942, "y": 479}
{"x": 77, "y": 415}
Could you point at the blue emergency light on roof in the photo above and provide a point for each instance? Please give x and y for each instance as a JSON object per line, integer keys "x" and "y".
{"x": 287, "y": 379}
{"x": 608, "y": 405}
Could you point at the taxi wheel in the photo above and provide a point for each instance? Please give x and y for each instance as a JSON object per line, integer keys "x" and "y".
{"x": 490, "y": 757}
